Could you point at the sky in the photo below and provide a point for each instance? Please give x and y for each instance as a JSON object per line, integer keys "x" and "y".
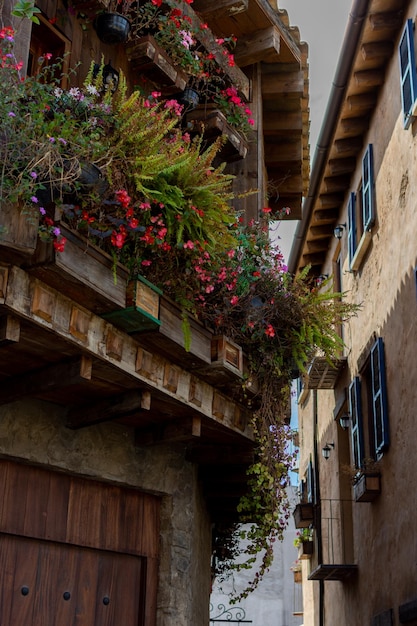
{"x": 322, "y": 25}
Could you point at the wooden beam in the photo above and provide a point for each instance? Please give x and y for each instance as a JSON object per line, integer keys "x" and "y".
{"x": 283, "y": 84}
{"x": 336, "y": 183}
{"x": 107, "y": 409}
{"x": 257, "y": 46}
{"x": 169, "y": 432}
{"x": 320, "y": 232}
{"x": 377, "y": 50}
{"x": 317, "y": 246}
{"x": 329, "y": 201}
{"x": 352, "y": 145}
{"x": 342, "y": 166}
{"x": 287, "y": 152}
{"x": 9, "y": 330}
{"x": 281, "y": 122}
{"x": 354, "y": 125}
{"x": 390, "y": 20}
{"x": 43, "y": 380}
{"x": 362, "y": 102}
{"x": 369, "y": 78}
{"x": 328, "y": 216}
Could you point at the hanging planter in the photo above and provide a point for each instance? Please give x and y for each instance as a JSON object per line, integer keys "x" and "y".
{"x": 112, "y": 28}
{"x": 190, "y": 99}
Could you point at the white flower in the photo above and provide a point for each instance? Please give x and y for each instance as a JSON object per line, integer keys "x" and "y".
{"x": 92, "y": 90}
{"x": 58, "y": 92}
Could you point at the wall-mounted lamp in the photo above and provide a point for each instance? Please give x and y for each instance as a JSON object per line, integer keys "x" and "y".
{"x": 110, "y": 76}
{"x": 338, "y": 230}
{"x": 344, "y": 421}
{"x": 327, "y": 449}
{"x": 320, "y": 279}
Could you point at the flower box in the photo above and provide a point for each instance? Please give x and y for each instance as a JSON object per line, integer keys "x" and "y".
{"x": 305, "y": 550}
{"x": 18, "y": 233}
{"x": 82, "y": 272}
{"x": 303, "y": 515}
{"x": 367, "y": 487}
{"x": 178, "y": 337}
{"x": 150, "y": 60}
{"x": 212, "y": 123}
{"x": 142, "y": 311}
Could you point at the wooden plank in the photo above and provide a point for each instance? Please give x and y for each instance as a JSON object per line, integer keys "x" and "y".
{"x": 283, "y": 84}
{"x": 341, "y": 166}
{"x": 377, "y": 50}
{"x": 362, "y": 102}
{"x": 369, "y": 78}
{"x": 217, "y": 8}
{"x": 46, "y": 379}
{"x": 389, "y": 20}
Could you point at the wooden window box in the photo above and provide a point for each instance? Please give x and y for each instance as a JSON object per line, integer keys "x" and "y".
{"x": 303, "y": 515}
{"x": 142, "y": 311}
{"x": 150, "y": 60}
{"x": 368, "y": 487}
{"x": 82, "y": 272}
{"x": 18, "y": 233}
{"x": 169, "y": 338}
{"x": 212, "y": 123}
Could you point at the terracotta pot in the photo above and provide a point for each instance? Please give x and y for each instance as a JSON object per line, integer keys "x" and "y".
{"x": 112, "y": 28}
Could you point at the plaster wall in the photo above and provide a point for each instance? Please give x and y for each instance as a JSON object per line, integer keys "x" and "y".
{"x": 378, "y": 537}
{"x": 35, "y": 433}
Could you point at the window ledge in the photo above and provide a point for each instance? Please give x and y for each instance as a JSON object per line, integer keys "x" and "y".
{"x": 363, "y": 246}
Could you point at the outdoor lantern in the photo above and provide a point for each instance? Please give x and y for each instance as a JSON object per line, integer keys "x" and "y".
{"x": 344, "y": 421}
{"x": 327, "y": 449}
{"x": 110, "y": 76}
{"x": 338, "y": 230}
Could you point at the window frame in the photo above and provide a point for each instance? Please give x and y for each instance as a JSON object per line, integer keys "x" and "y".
{"x": 356, "y": 433}
{"x": 379, "y": 398}
{"x": 408, "y": 72}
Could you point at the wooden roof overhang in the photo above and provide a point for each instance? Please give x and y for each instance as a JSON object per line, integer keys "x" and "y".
{"x": 55, "y": 350}
{"x": 332, "y": 180}
{"x": 265, "y": 37}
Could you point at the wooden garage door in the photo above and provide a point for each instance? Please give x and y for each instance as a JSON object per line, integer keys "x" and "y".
{"x": 75, "y": 552}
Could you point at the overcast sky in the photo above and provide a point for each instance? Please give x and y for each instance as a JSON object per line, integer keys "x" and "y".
{"x": 322, "y": 25}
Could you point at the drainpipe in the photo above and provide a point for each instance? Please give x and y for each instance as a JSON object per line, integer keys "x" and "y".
{"x": 356, "y": 20}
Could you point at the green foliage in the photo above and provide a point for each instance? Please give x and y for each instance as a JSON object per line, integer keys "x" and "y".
{"x": 26, "y": 9}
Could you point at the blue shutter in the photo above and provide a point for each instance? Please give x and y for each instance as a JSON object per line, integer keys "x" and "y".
{"x": 310, "y": 483}
{"x": 351, "y": 227}
{"x": 379, "y": 398}
{"x": 355, "y": 411}
{"x": 368, "y": 202}
{"x": 408, "y": 74}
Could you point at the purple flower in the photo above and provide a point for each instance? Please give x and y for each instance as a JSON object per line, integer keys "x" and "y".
{"x": 51, "y": 139}
{"x": 34, "y": 199}
{"x": 11, "y": 114}
{"x": 42, "y": 211}
{"x": 34, "y": 175}
{"x": 63, "y": 141}
{"x": 56, "y": 231}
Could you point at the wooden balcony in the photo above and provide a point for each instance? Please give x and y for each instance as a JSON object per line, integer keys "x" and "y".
{"x": 211, "y": 123}
{"x": 324, "y": 373}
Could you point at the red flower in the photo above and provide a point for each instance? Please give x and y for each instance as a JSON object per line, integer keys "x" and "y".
{"x": 59, "y": 244}
{"x": 269, "y": 331}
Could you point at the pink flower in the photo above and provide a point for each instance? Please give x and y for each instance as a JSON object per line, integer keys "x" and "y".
{"x": 189, "y": 244}
{"x": 234, "y": 300}
{"x": 269, "y": 331}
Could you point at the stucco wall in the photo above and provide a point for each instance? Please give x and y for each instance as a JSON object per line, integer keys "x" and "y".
{"x": 35, "y": 432}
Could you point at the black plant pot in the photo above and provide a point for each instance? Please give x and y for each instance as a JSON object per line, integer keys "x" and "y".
{"x": 189, "y": 99}
{"x": 112, "y": 28}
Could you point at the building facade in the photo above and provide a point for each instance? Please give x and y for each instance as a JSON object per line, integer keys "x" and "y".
{"x": 121, "y": 450}
{"x": 356, "y": 416}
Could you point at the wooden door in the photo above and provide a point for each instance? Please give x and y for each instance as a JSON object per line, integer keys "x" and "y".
{"x": 49, "y": 584}
{"x": 75, "y": 552}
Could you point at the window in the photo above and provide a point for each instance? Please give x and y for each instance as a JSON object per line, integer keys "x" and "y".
{"x": 408, "y": 73}
{"x": 361, "y": 212}
{"x": 46, "y": 38}
{"x": 368, "y": 408}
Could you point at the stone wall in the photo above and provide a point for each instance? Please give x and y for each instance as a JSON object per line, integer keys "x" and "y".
{"x": 35, "y": 432}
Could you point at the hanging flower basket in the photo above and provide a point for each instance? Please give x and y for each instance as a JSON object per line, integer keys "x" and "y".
{"x": 305, "y": 550}
{"x": 298, "y": 577}
{"x": 112, "y": 28}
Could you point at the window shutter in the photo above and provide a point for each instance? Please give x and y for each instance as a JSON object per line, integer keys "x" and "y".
{"x": 310, "y": 483}
{"x": 379, "y": 398}
{"x": 355, "y": 411}
{"x": 368, "y": 202}
{"x": 408, "y": 72}
{"x": 351, "y": 227}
